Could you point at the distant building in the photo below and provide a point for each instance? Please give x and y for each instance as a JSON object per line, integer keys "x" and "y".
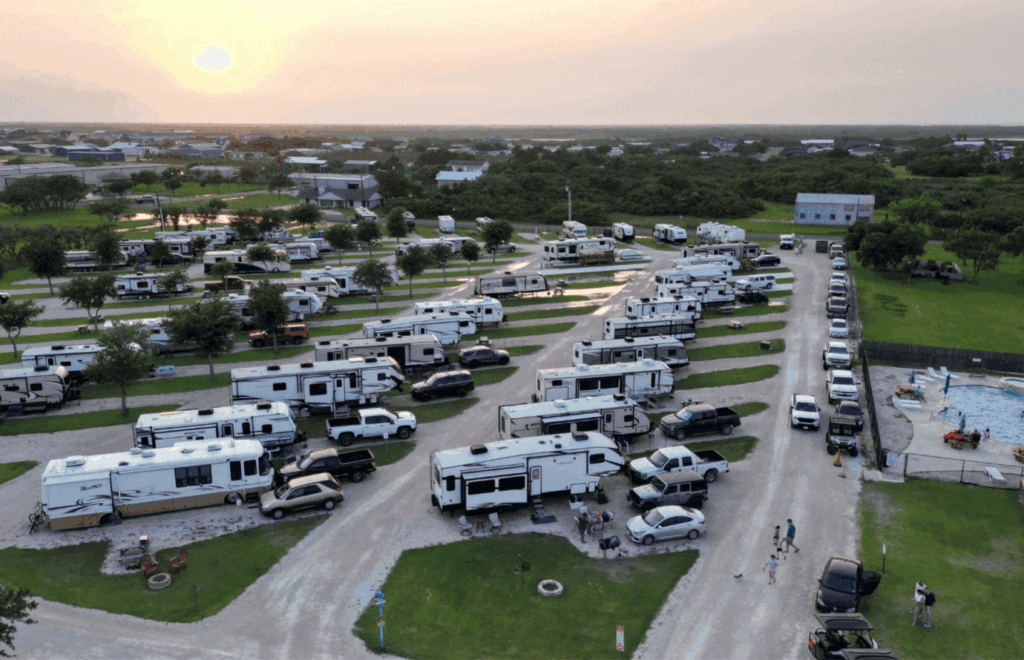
{"x": 225, "y": 171}
{"x": 359, "y": 164}
{"x": 204, "y": 151}
{"x": 306, "y": 161}
{"x": 106, "y": 156}
{"x": 445, "y": 179}
{"x": 842, "y": 210}
{"x": 337, "y": 191}
{"x": 468, "y": 166}
{"x": 819, "y": 142}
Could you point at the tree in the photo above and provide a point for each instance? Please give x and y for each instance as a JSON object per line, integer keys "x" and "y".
{"x": 414, "y": 262}
{"x": 15, "y": 316}
{"x": 146, "y": 178}
{"x": 1013, "y": 243}
{"x": 208, "y": 325}
{"x": 495, "y": 234}
{"x": 261, "y": 253}
{"x": 306, "y": 214}
{"x": 245, "y": 225}
{"x": 271, "y": 219}
{"x": 221, "y": 270}
{"x": 172, "y": 281}
{"x": 341, "y": 237}
{"x": 368, "y": 231}
{"x": 14, "y": 608}
{"x": 921, "y": 211}
{"x": 89, "y": 293}
{"x": 374, "y": 275}
{"x": 981, "y": 248}
{"x": 173, "y": 183}
{"x": 470, "y": 252}
{"x": 123, "y": 358}
{"x": 279, "y": 182}
{"x": 215, "y": 179}
{"x": 120, "y": 187}
{"x": 173, "y": 213}
{"x": 111, "y": 209}
{"x": 396, "y": 225}
{"x": 267, "y": 308}
{"x": 440, "y": 253}
{"x": 44, "y": 253}
{"x": 889, "y": 244}
{"x": 105, "y": 246}
{"x": 160, "y": 251}
{"x": 248, "y": 174}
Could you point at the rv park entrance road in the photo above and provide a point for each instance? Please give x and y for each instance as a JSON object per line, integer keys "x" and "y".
{"x": 305, "y": 606}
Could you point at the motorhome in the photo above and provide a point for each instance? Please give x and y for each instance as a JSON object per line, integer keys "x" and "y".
{"x": 145, "y": 286}
{"x": 679, "y": 326}
{"x": 299, "y": 304}
{"x": 297, "y": 252}
{"x": 323, "y": 288}
{"x": 458, "y": 241}
{"x": 630, "y": 349}
{"x": 483, "y": 309}
{"x": 141, "y": 247}
{"x": 509, "y": 283}
{"x": 87, "y": 491}
{"x": 580, "y": 249}
{"x": 343, "y": 276}
{"x": 624, "y": 232}
{"x": 411, "y": 352}
{"x": 717, "y": 232}
{"x": 644, "y": 378}
{"x": 708, "y": 293}
{"x": 448, "y": 327}
{"x": 708, "y": 260}
{"x": 669, "y": 234}
{"x": 86, "y": 261}
{"x": 509, "y": 474}
{"x": 364, "y": 213}
{"x": 157, "y": 334}
{"x": 736, "y": 250}
{"x": 648, "y": 306}
{"x": 572, "y": 229}
{"x": 35, "y": 389}
{"x": 693, "y": 273}
{"x": 310, "y": 387}
{"x": 242, "y": 265}
{"x": 215, "y": 236}
{"x": 426, "y": 244}
{"x": 616, "y": 416}
{"x": 445, "y": 224}
{"x": 269, "y": 423}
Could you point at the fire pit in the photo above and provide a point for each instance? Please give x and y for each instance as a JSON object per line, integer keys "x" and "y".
{"x": 550, "y": 588}
{"x": 159, "y": 581}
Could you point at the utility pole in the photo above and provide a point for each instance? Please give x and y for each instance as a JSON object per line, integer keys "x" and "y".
{"x": 568, "y": 190}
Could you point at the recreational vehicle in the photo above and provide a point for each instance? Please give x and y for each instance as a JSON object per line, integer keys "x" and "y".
{"x": 509, "y": 283}
{"x": 648, "y": 306}
{"x": 271, "y": 424}
{"x": 573, "y": 229}
{"x": 364, "y": 213}
{"x": 708, "y": 260}
{"x": 296, "y": 251}
{"x": 35, "y": 389}
{"x": 87, "y": 491}
{"x": 85, "y": 261}
{"x": 215, "y": 236}
{"x": 447, "y": 326}
{"x": 669, "y": 234}
{"x": 343, "y": 276}
{"x": 587, "y": 250}
{"x": 737, "y": 250}
{"x": 323, "y": 288}
{"x": 624, "y": 232}
{"x": 299, "y": 304}
{"x": 716, "y": 232}
{"x": 242, "y": 265}
{"x": 410, "y": 352}
{"x": 483, "y": 309}
{"x": 157, "y": 335}
{"x": 426, "y": 244}
{"x": 144, "y": 286}
{"x": 679, "y": 326}
{"x": 73, "y": 358}
{"x": 630, "y": 349}
{"x": 445, "y": 224}
{"x": 708, "y": 293}
{"x": 140, "y": 247}
{"x": 317, "y": 386}
{"x": 508, "y": 474}
{"x": 636, "y": 380}
{"x": 693, "y": 273}
{"x": 616, "y": 416}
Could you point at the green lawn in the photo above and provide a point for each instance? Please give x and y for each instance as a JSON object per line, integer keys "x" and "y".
{"x": 440, "y": 410}
{"x": 213, "y": 577}
{"x": 521, "y": 302}
{"x": 748, "y": 328}
{"x": 193, "y": 189}
{"x": 266, "y": 355}
{"x": 516, "y": 351}
{"x": 988, "y": 316}
{"x": 967, "y": 550}
{"x": 750, "y": 408}
{"x": 76, "y": 421}
{"x": 727, "y": 377}
{"x": 744, "y": 349}
{"x": 260, "y": 201}
{"x": 647, "y": 241}
{"x": 492, "y": 376}
{"x": 753, "y": 310}
{"x": 552, "y": 313}
{"x": 506, "y": 333}
{"x": 157, "y": 386}
{"x": 464, "y": 600}
{"x": 10, "y": 471}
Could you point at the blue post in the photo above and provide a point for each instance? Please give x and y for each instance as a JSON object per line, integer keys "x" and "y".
{"x": 380, "y": 616}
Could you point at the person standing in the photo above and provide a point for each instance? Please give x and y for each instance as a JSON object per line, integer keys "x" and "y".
{"x": 777, "y": 542}
{"x": 919, "y": 600}
{"x": 790, "y": 535}
{"x": 929, "y": 601}
{"x": 772, "y": 566}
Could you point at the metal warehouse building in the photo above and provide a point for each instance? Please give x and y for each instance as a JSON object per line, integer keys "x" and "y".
{"x": 844, "y": 210}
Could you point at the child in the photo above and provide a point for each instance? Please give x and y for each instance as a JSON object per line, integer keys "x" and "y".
{"x": 772, "y": 566}
{"x": 777, "y": 541}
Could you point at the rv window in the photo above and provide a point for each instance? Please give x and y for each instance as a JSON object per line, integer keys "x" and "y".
{"x": 610, "y": 381}
{"x": 236, "y": 470}
{"x": 671, "y": 352}
{"x": 279, "y": 387}
{"x": 65, "y": 364}
{"x": 154, "y": 331}
{"x": 588, "y": 425}
{"x": 144, "y": 284}
{"x": 596, "y": 458}
{"x": 512, "y": 483}
{"x": 654, "y": 379}
{"x": 502, "y": 418}
{"x": 145, "y": 441}
{"x": 317, "y": 389}
{"x": 608, "y": 419}
{"x": 35, "y": 387}
{"x": 449, "y": 483}
{"x": 588, "y": 384}
{"x": 554, "y": 383}
{"x": 560, "y": 427}
{"x": 382, "y": 376}
{"x": 266, "y": 428}
{"x": 227, "y": 430}
{"x": 463, "y": 324}
{"x": 196, "y": 475}
{"x": 423, "y": 331}
{"x": 250, "y": 468}
{"x": 480, "y": 487}
{"x": 629, "y": 419}
{"x": 428, "y": 351}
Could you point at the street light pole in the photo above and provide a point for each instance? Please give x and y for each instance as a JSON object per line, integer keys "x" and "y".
{"x": 568, "y": 190}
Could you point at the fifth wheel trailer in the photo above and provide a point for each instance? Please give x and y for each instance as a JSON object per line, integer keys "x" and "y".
{"x": 411, "y": 352}
{"x": 615, "y": 415}
{"x": 680, "y": 326}
{"x": 630, "y": 349}
{"x": 635, "y": 380}
{"x": 448, "y": 327}
{"x": 483, "y": 309}
{"x": 509, "y": 283}
{"x": 648, "y": 306}
{"x": 35, "y": 389}
{"x": 271, "y": 424}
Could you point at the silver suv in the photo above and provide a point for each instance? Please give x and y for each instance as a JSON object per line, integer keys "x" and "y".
{"x": 302, "y": 493}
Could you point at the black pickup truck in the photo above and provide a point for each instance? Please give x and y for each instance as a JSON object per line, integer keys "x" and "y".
{"x": 354, "y": 464}
{"x": 699, "y": 418}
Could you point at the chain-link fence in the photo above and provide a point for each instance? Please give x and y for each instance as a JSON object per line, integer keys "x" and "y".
{"x": 956, "y": 470}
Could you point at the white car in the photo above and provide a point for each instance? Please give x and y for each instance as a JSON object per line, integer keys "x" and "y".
{"x": 839, "y": 329}
{"x": 804, "y": 411}
{"x": 664, "y": 523}
{"x": 839, "y": 263}
{"x": 841, "y": 386}
{"x": 838, "y": 278}
{"x": 631, "y": 255}
{"x": 756, "y": 282}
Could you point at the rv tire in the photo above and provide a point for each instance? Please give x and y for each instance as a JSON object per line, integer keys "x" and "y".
{"x": 711, "y": 476}
{"x": 233, "y": 498}
{"x": 105, "y": 520}
{"x": 276, "y": 269}
{"x": 346, "y": 439}
{"x": 404, "y": 433}
{"x": 853, "y": 452}
{"x": 305, "y": 412}
{"x": 328, "y": 505}
{"x": 297, "y": 340}
{"x": 258, "y": 343}
{"x": 278, "y": 514}
{"x": 357, "y": 476}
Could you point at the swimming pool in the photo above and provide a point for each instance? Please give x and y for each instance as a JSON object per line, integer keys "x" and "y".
{"x": 994, "y": 408}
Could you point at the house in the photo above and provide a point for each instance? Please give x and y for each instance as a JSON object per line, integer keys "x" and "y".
{"x": 306, "y": 161}
{"x": 468, "y": 166}
{"x": 842, "y": 210}
{"x": 202, "y": 150}
{"x": 337, "y": 191}
{"x": 444, "y": 179}
{"x": 360, "y": 164}
{"x": 105, "y": 156}
{"x": 38, "y": 148}
{"x": 819, "y": 142}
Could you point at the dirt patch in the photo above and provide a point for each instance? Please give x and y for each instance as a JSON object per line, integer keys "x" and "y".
{"x": 878, "y": 503}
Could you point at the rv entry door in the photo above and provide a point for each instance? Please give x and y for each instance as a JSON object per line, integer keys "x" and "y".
{"x": 535, "y": 481}
{"x": 319, "y": 391}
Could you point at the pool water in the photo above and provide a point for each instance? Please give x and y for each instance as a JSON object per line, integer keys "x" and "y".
{"x": 994, "y": 408}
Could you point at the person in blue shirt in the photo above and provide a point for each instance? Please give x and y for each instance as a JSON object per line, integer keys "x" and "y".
{"x": 790, "y": 535}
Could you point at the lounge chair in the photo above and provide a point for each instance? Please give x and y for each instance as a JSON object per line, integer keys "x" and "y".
{"x": 945, "y": 373}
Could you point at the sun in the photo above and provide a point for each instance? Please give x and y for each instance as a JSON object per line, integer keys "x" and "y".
{"x": 213, "y": 59}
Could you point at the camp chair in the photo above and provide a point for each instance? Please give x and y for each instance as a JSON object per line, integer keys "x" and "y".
{"x": 149, "y": 567}
{"x": 465, "y": 527}
{"x": 178, "y": 563}
{"x": 931, "y": 372}
{"x": 495, "y": 522}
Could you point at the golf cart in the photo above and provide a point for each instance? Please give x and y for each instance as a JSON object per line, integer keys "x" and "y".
{"x": 842, "y": 434}
{"x": 840, "y": 632}
{"x": 753, "y": 298}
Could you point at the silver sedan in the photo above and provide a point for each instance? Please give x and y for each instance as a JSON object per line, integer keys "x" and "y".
{"x": 664, "y": 523}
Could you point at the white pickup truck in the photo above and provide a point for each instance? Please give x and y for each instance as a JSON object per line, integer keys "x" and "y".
{"x": 709, "y": 464}
{"x": 370, "y": 423}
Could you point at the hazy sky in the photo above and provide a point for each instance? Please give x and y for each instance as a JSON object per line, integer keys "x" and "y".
{"x": 512, "y": 62}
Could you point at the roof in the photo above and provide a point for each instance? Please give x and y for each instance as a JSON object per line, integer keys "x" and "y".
{"x": 179, "y": 417}
{"x": 819, "y": 198}
{"x": 467, "y": 163}
{"x": 419, "y": 318}
{"x": 521, "y": 447}
{"x": 601, "y": 369}
{"x": 304, "y": 160}
{"x": 652, "y": 318}
{"x": 568, "y": 406}
{"x": 296, "y": 368}
{"x": 73, "y": 467}
{"x": 23, "y": 372}
{"x": 61, "y": 349}
{"x": 458, "y": 176}
{"x": 631, "y": 341}
{"x": 376, "y": 341}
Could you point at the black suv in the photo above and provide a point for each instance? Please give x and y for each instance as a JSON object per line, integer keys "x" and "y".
{"x": 478, "y": 355}
{"x": 842, "y": 583}
{"x": 851, "y": 409}
{"x": 446, "y": 383}
{"x": 767, "y": 260}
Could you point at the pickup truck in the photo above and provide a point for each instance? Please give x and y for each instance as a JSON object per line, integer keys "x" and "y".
{"x": 708, "y": 464}
{"x": 699, "y": 418}
{"x": 292, "y": 333}
{"x": 370, "y": 423}
{"x": 234, "y": 283}
{"x": 836, "y": 307}
{"x": 836, "y": 355}
{"x": 679, "y": 488}
{"x": 355, "y": 464}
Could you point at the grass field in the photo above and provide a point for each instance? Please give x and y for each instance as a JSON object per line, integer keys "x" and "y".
{"x": 552, "y": 313}
{"x": 492, "y": 376}
{"x": 260, "y": 201}
{"x": 212, "y": 579}
{"x": 733, "y": 448}
{"x": 193, "y": 189}
{"x": 988, "y": 316}
{"x": 440, "y": 410}
{"x": 76, "y": 421}
{"x": 464, "y": 600}
{"x": 516, "y": 351}
{"x": 523, "y": 302}
{"x": 727, "y": 377}
{"x": 744, "y": 349}
{"x": 10, "y": 471}
{"x": 966, "y": 549}
{"x": 157, "y": 386}
{"x": 748, "y": 328}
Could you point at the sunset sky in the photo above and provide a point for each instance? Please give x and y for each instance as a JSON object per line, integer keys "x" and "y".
{"x": 524, "y": 62}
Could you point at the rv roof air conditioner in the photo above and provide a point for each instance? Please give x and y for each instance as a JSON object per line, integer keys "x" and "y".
{"x": 205, "y": 411}
{"x": 148, "y": 453}
{"x": 213, "y": 447}
{"x": 134, "y": 451}
{"x": 58, "y": 347}
{"x": 186, "y": 450}
{"x": 74, "y": 461}
{"x": 41, "y": 368}
{"x": 122, "y": 463}
{"x": 477, "y": 449}
{"x": 325, "y": 342}
{"x": 273, "y": 367}
{"x": 560, "y": 403}
{"x": 305, "y": 365}
{"x": 648, "y": 362}
{"x": 580, "y": 437}
{"x": 619, "y": 396}
{"x": 263, "y": 405}
{"x": 583, "y": 367}
{"x": 587, "y": 342}
{"x": 385, "y": 320}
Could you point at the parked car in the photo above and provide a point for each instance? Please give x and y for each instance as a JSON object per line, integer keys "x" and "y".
{"x": 836, "y": 355}
{"x": 838, "y": 328}
{"x": 841, "y": 434}
{"x": 842, "y": 584}
{"x": 688, "y": 489}
{"x": 840, "y": 384}
{"x": 767, "y": 261}
{"x": 446, "y": 383}
{"x": 752, "y": 282}
{"x": 354, "y": 464}
{"x": 476, "y": 356}
{"x": 753, "y": 298}
{"x": 844, "y": 636}
{"x": 839, "y": 263}
{"x": 302, "y": 493}
{"x": 664, "y": 523}
{"x": 836, "y": 289}
{"x": 851, "y": 409}
{"x": 804, "y": 411}
{"x": 631, "y": 255}
{"x": 839, "y": 278}
{"x": 836, "y": 307}
{"x": 503, "y": 248}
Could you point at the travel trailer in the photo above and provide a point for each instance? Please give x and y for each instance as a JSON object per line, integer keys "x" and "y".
{"x": 299, "y": 304}
{"x": 737, "y": 250}
{"x": 297, "y": 252}
{"x": 87, "y": 491}
{"x": 509, "y": 474}
{"x": 73, "y": 358}
{"x": 411, "y": 352}
{"x": 586, "y": 250}
{"x": 669, "y": 234}
{"x": 343, "y": 276}
{"x": 572, "y": 229}
{"x": 616, "y": 416}
{"x": 624, "y": 232}
{"x": 448, "y": 327}
{"x": 86, "y": 261}
{"x": 709, "y": 294}
{"x": 644, "y": 378}
{"x": 310, "y": 387}
{"x": 271, "y": 424}
{"x": 35, "y": 389}
{"x": 648, "y": 306}
{"x": 712, "y": 273}
{"x": 159, "y": 340}
{"x": 242, "y": 265}
{"x": 630, "y": 349}
{"x": 716, "y": 232}
{"x": 215, "y": 236}
{"x": 482, "y": 309}
{"x": 426, "y": 244}
{"x": 509, "y": 283}
{"x": 144, "y": 287}
{"x": 364, "y": 213}
{"x": 140, "y": 247}
{"x": 323, "y": 288}
{"x": 679, "y": 326}
{"x": 708, "y": 260}
{"x": 445, "y": 224}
